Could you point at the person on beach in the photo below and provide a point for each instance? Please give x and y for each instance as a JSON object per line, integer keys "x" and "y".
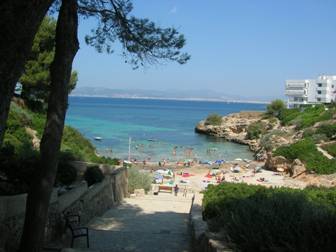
{"x": 185, "y": 191}
{"x": 176, "y": 189}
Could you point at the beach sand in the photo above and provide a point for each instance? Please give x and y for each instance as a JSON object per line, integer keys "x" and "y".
{"x": 198, "y": 179}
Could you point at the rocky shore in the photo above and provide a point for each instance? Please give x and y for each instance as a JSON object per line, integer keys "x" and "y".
{"x": 236, "y": 128}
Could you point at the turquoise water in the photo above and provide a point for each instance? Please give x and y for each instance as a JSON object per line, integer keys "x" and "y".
{"x": 156, "y": 127}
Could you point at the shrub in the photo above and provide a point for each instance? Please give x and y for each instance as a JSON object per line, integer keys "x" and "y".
{"x": 327, "y": 129}
{"x": 287, "y": 115}
{"x": 306, "y": 151}
{"x": 66, "y": 173}
{"x": 256, "y": 218}
{"x": 93, "y": 175}
{"x": 266, "y": 141}
{"x": 312, "y": 115}
{"x": 138, "y": 180}
{"x": 213, "y": 119}
{"x": 309, "y": 132}
{"x": 318, "y": 138}
{"x": 331, "y": 149}
{"x": 254, "y": 130}
{"x": 275, "y": 108}
{"x": 306, "y": 116}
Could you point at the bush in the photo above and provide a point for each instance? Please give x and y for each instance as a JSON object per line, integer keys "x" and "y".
{"x": 66, "y": 173}
{"x": 93, "y": 175}
{"x": 254, "y": 130}
{"x": 287, "y": 115}
{"x": 330, "y": 148}
{"x": 327, "y": 129}
{"x": 213, "y": 119}
{"x": 266, "y": 141}
{"x": 275, "y": 108}
{"x": 256, "y": 218}
{"x": 138, "y": 180}
{"x": 318, "y": 138}
{"x": 306, "y": 116}
{"x": 306, "y": 151}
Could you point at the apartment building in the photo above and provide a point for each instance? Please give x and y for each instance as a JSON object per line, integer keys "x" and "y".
{"x": 313, "y": 91}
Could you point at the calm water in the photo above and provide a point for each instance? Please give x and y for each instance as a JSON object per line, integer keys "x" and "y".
{"x": 156, "y": 127}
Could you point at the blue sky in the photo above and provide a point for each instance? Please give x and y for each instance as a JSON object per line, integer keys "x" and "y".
{"x": 245, "y": 47}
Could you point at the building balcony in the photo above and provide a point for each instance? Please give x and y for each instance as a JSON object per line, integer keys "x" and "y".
{"x": 295, "y": 84}
{"x": 293, "y": 92}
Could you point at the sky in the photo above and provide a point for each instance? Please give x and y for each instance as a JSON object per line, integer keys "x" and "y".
{"x": 238, "y": 47}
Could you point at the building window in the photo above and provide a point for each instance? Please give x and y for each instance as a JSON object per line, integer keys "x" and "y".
{"x": 319, "y": 91}
{"x": 319, "y": 84}
{"x": 318, "y": 99}
{"x": 332, "y": 86}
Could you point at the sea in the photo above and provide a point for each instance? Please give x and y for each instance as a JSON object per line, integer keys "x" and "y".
{"x": 154, "y": 130}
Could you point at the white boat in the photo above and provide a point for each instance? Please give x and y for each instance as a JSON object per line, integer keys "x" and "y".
{"x": 97, "y": 138}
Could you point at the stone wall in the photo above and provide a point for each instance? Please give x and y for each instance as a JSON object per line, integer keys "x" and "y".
{"x": 87, "y": 201}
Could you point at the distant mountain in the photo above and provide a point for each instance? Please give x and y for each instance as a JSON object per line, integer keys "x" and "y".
{"x": 197, "y": 94}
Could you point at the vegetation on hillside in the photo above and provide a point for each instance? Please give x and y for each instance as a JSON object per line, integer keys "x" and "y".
{"x": 308, "y": 116}
{"x": 213, "y": 119}
{"x": 330, "y": 148}
{"x": 18, "y": 157}
{"x": 277, "y": 219}
{"x": 306, "y": 151}
{"x": 316, "y": 125}
{"x": 256, "y": 129}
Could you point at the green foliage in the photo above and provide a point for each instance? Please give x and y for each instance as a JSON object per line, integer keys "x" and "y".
{"x": 213, "y": 119}
{"x": 36, "y": 78}
{"x": 307, "y": 117}
{"x": 93, "y": 175}
{"x": 275, "y": 108}
{"x": 330, "y": 148}
{"x": 66, "y": 173}
{"x": 327, "y": 129}
{"x": 18, "y": 157}
{"x": 138, "y": 180}
{"x": 287, "y": 115}
{"x": 16, "y": 135}
{"x": 266, "y": 140}
{"x": 80, "y": 148}
{"x": 141, "y": 39}
{"x": 254, "y": 130}
{"x": 256, "y": 218}
{"x": 306, "y": 151}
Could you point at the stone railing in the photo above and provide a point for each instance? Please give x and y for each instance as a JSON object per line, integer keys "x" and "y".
{"x": 87, "y": 201}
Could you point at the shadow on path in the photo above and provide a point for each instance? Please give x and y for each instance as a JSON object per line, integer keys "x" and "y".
{"x": 146, "y": 224}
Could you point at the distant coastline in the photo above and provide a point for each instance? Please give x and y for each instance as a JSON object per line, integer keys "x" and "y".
{"x": 174, "y": 99}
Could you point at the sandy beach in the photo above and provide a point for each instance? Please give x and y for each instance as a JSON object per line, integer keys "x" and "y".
{"x": 196, "y": 177}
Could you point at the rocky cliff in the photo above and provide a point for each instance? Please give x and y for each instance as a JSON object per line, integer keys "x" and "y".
{"x": 234, "y": 128}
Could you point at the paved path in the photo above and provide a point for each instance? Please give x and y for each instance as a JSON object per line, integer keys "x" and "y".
{"x": 146, "y": 224}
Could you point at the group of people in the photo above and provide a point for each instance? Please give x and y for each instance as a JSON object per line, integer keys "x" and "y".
{"x": 176, "y": 190}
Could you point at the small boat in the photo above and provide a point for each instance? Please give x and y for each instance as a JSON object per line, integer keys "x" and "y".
{"x": 97, "y": 138}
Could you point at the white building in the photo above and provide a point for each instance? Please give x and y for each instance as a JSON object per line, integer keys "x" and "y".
{"x": 320, "y": 90}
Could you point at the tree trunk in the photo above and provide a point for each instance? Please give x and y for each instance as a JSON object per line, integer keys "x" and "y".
{"x": 60, "y": 72}
{"x": 20, "y": 20}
